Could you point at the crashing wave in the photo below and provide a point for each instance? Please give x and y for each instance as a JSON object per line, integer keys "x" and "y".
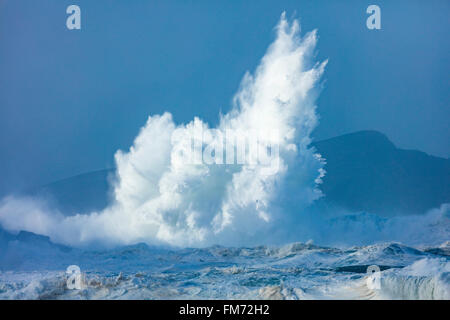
{"x": 166, "y": 195}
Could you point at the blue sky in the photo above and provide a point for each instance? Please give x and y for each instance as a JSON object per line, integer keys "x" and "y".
{"x": 70, "y": 99}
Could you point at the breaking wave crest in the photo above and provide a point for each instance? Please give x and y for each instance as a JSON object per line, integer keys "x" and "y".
{"x": 426, "y": 279}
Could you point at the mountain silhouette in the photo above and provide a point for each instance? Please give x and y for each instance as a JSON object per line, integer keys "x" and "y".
{"x": 365, "y": 171}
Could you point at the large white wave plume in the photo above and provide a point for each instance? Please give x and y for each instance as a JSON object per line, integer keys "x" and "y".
{"x": 160, "y": 198}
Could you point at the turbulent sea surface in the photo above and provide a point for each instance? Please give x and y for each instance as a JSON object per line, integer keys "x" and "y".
{"x": 34, "y": 268}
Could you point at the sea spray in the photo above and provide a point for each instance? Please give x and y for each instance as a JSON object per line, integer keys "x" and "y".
{"x": 159, "y": 198}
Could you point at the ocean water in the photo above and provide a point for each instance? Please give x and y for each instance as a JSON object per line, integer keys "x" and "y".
{"x": 36, "y": 269}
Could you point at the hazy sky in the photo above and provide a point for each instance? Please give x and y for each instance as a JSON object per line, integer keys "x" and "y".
{"x": 70, "y": 98}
